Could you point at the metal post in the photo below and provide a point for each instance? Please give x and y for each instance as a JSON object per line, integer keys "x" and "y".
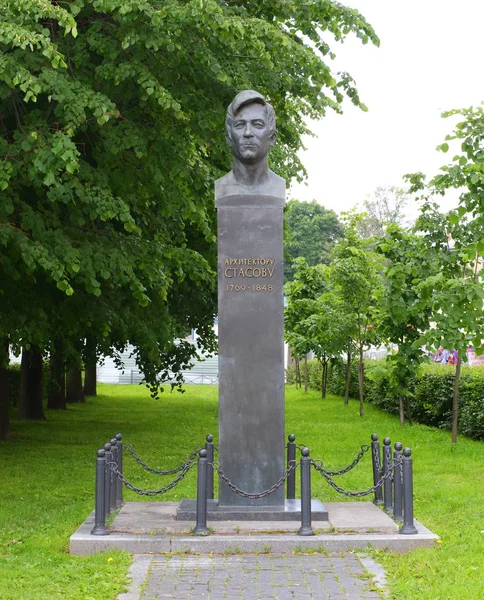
{"x": 375, "y": 455}
{"x": 291, "y": 461}
{"x": 107, "y": 478}
{"x": 408, "y": 527}
{"x": 305, "y": 528}
{"x": 201, "y": 526}
{"x": 209, "y": 449}
{"x": 113, "y": 502}
{"x": 100, "y": 511}
{"x": 398, "y": 484}
{"x": 119, "y": 494}
{"x": 387, "y": 484}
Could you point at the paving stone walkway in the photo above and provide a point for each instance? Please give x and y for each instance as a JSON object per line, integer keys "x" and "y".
{"x": 342, "y": 576}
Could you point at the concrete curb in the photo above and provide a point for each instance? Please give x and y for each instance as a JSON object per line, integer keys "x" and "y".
{"x": 82, "y": 543}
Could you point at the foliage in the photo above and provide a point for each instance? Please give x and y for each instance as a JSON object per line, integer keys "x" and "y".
{"x": 384, "y": 206}
{"x": 456, "y": 291}
{"x": 336, "y": 376}
{"x": 355, "y": 273}
{"x": 111, "y": 135}
{"x": 314, "y": 316}
{"x": 403, "y": 312}
{"x": 311, "y": 231}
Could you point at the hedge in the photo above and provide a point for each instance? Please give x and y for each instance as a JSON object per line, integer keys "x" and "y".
{"x": 432, "y": 390}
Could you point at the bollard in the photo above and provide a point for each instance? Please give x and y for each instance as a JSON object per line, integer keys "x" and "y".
{"x": 209, "y": 449}
{"x": 119, "y": 494}
{"x": 398, "y": 484}
{"x": 291, "y": 460}
{"x": 375, "y": 456}
{"x": 201, "y": 525}
{"x": 107, "y": 478}
{"x": 305, "y": 528}
{"x": 113, "y": 502}
{"x": 387, "y": 484}
{"x": 408, "y": 527}
{"x": 100, "y": 510}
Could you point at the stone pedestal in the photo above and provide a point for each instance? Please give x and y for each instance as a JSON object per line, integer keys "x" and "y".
{"x": 251, "y": 346}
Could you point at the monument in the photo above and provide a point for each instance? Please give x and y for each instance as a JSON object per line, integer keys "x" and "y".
{"x": 250, "y": 201}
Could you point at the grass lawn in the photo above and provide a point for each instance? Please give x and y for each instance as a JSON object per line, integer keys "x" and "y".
{"x": 47, "y": 487}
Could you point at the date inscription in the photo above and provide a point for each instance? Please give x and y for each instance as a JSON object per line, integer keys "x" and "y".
{"x": 249, "y": 268}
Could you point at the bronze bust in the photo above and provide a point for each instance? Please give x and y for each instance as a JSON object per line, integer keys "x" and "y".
{"x": 250, "y": 129}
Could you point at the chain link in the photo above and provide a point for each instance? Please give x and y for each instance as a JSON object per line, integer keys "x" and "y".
{"x": 376, "y": 457}
{"x": 360, "y": 455}
{"x": 386, "y": 475}
{"x": 292, "y": 467}
{"x": 186, "y": 467}
{"x": 141, "y": 462}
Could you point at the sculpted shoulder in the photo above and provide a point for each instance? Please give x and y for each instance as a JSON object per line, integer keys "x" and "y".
{"x": 273, "y": 185}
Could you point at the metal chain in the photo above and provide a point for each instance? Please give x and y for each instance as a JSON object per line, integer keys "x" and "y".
{"x": 360, "y": 455}
{"x": 114, "y": 468}
{"x": 142, "y": 463}
{"x": 271, "y": 490}
{"x": 376, "y": 457}
{"x": 341, "y": 490}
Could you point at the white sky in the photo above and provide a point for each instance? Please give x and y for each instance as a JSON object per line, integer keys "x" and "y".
{"x": 429, "y": 60}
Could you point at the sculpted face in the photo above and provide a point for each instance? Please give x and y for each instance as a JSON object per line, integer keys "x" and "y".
{"x": 250, "y": 136}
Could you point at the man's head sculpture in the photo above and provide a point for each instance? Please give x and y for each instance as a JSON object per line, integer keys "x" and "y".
{"x": 250, "y": 127}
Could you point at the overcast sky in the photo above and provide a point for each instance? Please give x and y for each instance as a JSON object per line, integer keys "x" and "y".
{"x": 429, "y": 61}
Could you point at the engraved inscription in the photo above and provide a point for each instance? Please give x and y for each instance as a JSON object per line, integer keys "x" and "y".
{"x": 249, "y": 268}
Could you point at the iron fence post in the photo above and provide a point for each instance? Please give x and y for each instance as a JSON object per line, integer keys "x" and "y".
{"x": 113, "y": 501}
{"x": 201, "y": 525}
{"x": 387, "y": 484}
{"x": 209, "y": 449}
{"x": 107, "y": 478}
{"x": 305, "y": 528}
{"x": 408, "y": 527}
{"x": 375, "y": 459}
{"x": 291, "y": 460}
{"x": 398, "y": 483}
{"x": 119, "y": 483}
{"x": 100, "y": 510}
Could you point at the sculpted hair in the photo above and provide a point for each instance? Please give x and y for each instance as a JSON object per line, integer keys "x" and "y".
{"x": 244, "y": 98}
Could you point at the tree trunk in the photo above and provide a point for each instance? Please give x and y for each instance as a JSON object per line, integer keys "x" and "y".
{"x": 361, "y": 379}
{"x": 74, "y": 391}
{"x": 56, "y": 397}
{"x": 4, "y": 390}
{"x": 455, "y": 400}
{"x": 298, "y": 371}
{"x": 402, "y": 411}
{"x": 348, "y": 377}
{"x": 306, "y": 374}
{"x": 408, "y": 410}
{"x": 324, "y": 379}
{"x": 90, "y": 373}
{"x": 31, "y": 397}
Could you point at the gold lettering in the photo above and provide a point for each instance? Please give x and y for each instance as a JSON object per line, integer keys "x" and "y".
{"x": 227, "y": 261}
{"x": 271, "y": 272}
{"x": 247, "y": 272}
{"x": 227, "y": 272}
{"x": 258, "y": 272}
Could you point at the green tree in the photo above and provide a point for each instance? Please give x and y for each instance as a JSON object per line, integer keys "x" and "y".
{"x": 404, "y": 312}
{"x": 457, "y": 290}
{"x": 314, "y": 317}
{"x": 310, "y": 231}
{"x": 111, "y": 134}
{"x": 355, "y": 273}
